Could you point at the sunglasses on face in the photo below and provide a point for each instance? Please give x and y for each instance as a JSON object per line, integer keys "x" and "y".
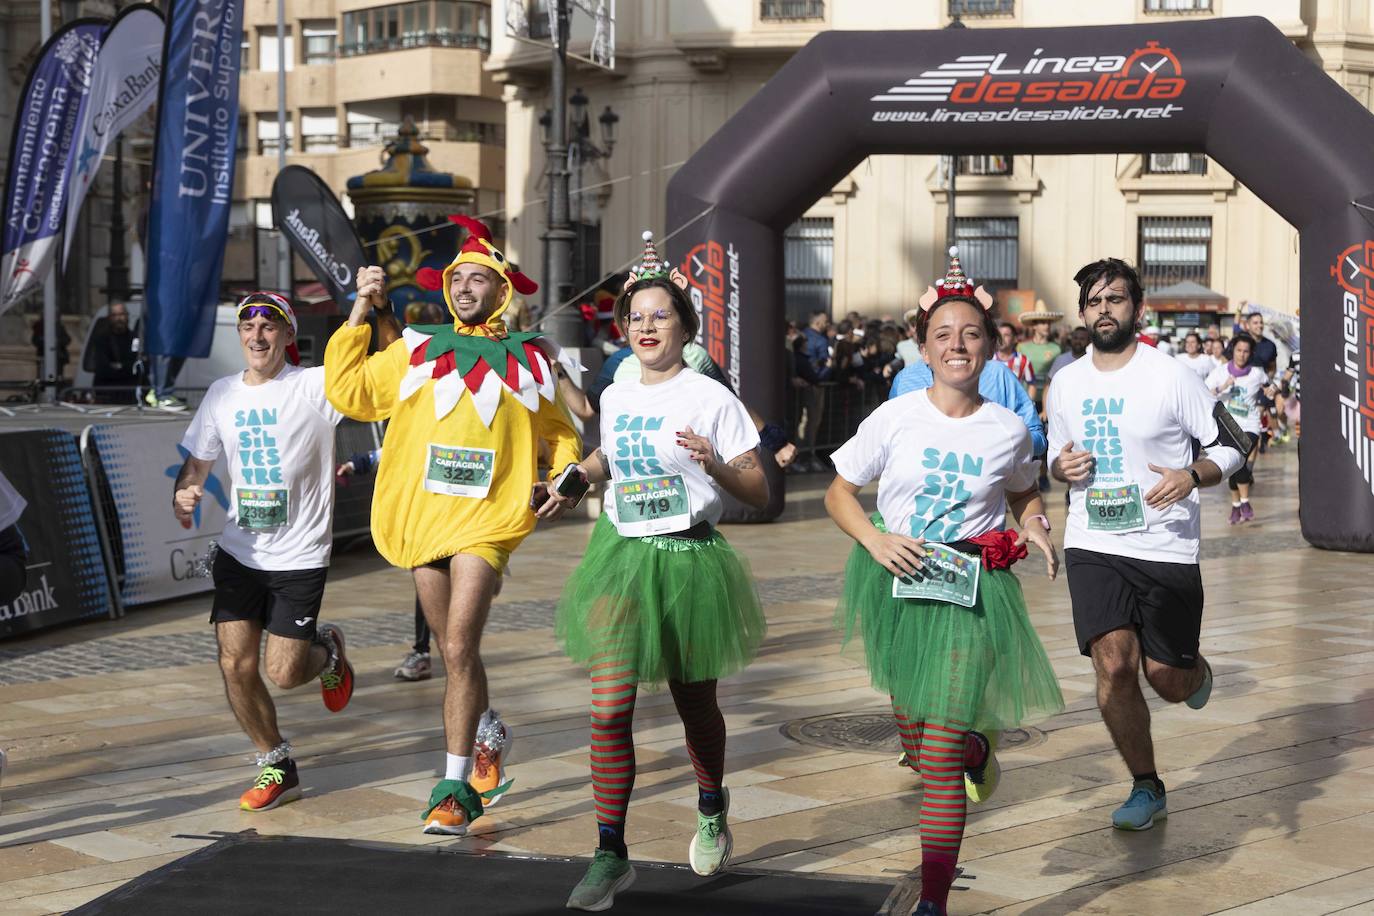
{"x": 271, "y": 313}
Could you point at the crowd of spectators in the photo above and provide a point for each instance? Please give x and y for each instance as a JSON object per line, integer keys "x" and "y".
{"x": 839, "y": 371}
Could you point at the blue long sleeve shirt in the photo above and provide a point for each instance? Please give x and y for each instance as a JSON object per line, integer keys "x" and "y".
{"x": 996, "y": 384}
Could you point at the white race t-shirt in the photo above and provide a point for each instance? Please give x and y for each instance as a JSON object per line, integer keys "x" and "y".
{"x": 656, "y": 487}
{"x": 1147, "y": 412}
{"x": 939, "y": 478}
{"x": 1242, "y": 398}
{"x": 1200, "y": 364}
{"x": 279, "y": 440}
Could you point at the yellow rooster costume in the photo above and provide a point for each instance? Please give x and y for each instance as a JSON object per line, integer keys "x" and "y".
{"x": 467, "y": 407}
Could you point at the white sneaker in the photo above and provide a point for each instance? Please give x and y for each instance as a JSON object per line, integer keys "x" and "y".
{"x": 415, "y": 667}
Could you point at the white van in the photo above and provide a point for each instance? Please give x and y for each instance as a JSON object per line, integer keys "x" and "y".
{"x": 226, "y": 356}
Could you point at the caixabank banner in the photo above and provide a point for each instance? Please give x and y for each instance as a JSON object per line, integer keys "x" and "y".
{"x": 66, "y": 579}
{"x": 1236, "y": 89}
{"x": 156, "y": 556}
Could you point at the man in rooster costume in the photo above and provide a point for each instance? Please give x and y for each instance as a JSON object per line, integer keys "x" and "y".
{"x": 468, "y": 404}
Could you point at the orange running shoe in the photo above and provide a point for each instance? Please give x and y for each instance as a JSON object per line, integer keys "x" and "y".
{"x": 452, "y": 806}
{"x": 489, "y": 754}
{"x": 277, "y": 784}
{"x": 336, "y": 681}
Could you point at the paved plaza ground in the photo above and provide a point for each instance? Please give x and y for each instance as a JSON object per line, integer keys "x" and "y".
{"x": 124, "y": 755}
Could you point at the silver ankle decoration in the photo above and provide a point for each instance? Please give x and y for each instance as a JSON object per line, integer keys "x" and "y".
{"x": 276, "y": 755}
{"x": 203, "y": 567}
{"x": 492, "y": 737}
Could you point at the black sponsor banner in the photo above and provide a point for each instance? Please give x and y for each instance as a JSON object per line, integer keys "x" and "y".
{"x": 1234, "y": 88}
{"x": 66, "y": 575}
{"x": 315, "y": 224}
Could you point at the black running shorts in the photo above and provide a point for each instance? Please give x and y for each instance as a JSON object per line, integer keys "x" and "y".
{"x": 285, "y": 603}
{"x": 1162, "y": 602}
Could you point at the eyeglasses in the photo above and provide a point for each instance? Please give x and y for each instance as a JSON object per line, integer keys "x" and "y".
{"x": 658, "y": 318}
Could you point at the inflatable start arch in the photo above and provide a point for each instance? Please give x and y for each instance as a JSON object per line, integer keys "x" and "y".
{"x": 1235, "y": 89}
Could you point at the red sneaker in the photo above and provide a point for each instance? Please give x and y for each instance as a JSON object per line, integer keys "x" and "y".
{"x": 336, "y": 683}
{"x": 277, "y": 784}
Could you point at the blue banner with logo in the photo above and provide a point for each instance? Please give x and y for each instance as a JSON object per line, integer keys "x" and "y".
{"x": 45, "y": 126}
{"x": 193, "y": 174}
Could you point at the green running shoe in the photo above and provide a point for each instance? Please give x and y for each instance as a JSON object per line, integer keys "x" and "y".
{"x": 606, "y": 876}
{"x": 711, "y": 846}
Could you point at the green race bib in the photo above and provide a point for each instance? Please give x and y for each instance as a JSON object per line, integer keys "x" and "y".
{"x": 948, "y": 575}
{"x": 455, "y": 470}
{"x": 262, "y": 510}
{"x": 1238, "y": 404}
{"x": 652, "y": 505}
{"x": 1116, "y": 510}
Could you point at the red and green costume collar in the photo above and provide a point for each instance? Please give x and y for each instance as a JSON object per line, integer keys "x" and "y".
{"x": 459, "y": 359}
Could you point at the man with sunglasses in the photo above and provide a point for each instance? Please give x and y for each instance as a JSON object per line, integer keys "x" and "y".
{"x": 1122, "y": 423}
{"x": 276, "y": 428}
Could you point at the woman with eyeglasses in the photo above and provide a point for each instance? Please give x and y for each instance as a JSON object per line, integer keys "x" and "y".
{"x": 659, "y": 594}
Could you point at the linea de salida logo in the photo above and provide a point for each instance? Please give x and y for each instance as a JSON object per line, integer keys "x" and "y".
{"x": 1144, "y": 77}
{"x": 1354, "y": 271}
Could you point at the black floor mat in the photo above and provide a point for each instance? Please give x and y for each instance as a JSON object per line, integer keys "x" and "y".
{"x": 268, "y": 875}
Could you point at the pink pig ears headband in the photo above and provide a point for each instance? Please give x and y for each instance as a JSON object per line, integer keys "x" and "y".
{"x": 651, "y": 266}
{"x": 954, "y": 283}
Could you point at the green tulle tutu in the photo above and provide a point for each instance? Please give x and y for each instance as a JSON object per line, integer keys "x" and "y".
{"x": 983, "y": 666}
{"x": 675, "y": 609}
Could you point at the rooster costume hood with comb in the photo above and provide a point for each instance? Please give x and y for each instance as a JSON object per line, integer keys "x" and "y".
{"x": 474, "y": 395}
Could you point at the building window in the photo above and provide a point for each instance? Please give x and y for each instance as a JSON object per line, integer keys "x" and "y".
{"x": 319, "y": 130}
{"x": 321, "y": 38}
{"x": 808, "y": 256}
{"x": 428, "y": 23}
{"x": 1175, "y": 164}
{"x": 241, "y": 137}
{"x": 982, "y": 8}
{"x": 1175, "y": 248}
{"x": 1178, "y": 6}
{"x": 269, "y": 135}
{"x": 989, "y": 249}
{"x": 984, "y": 165}
{"x": 245, "y": 52}
{"x": 267, "y": 50}
{"x": 791, "y": 9}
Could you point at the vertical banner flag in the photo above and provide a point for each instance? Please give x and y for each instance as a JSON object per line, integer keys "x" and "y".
{"x": 315, "y": 224}
{"x": 40, "y": 150}
{"x": 193, "y": 174}
{"x": 123, "y": 86}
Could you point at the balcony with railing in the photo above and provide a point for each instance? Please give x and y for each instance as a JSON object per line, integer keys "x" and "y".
{"x": 421, "y": 24}
{"x": 975, "y": 8}
{"x": 1178, "y": 6}
{"x": 1175, "y": 164}
{"x": 378, "y": 133}
{"x": 791, "y": 10}
{"x": 983, "y": 165}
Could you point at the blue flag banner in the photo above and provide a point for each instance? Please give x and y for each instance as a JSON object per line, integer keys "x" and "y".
{"x": 193, "y": 174}
{"x": 50, "y": 109}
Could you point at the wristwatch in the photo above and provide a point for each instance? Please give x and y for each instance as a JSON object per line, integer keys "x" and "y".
{"x": 1197, "y": 481}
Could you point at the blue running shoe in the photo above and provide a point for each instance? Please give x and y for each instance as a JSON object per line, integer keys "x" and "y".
{"x": 927, "y": 908}
{"x": 1142, "y": 809}
{"x": 1203, "y": 693}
